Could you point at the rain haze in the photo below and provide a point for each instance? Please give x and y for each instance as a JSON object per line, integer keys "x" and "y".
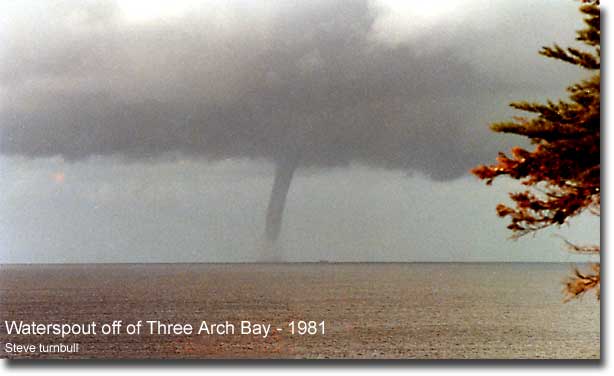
{"x": 232, "y": 131}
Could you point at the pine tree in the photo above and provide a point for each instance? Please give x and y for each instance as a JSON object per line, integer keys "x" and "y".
{"x": 562, "y": 172}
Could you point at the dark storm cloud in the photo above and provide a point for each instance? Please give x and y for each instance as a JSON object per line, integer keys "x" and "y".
{"x": 309, "y": 80}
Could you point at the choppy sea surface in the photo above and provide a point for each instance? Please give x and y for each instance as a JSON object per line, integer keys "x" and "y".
{"x": 370, "y": 310}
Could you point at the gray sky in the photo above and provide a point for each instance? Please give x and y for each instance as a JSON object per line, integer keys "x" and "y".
{"x": 148, "y": 131}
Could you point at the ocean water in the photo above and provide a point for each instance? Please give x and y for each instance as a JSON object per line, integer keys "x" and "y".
{"x": 370, "y": 310}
